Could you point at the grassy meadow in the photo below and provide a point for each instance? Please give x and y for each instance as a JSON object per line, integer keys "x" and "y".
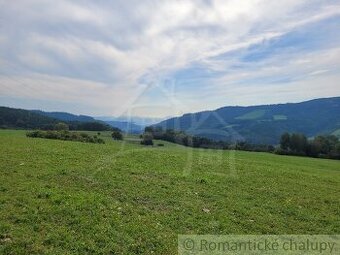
{"x": 64, "y": 197}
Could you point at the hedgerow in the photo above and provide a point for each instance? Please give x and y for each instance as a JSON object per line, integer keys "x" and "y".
{"x": 65, "y": 135}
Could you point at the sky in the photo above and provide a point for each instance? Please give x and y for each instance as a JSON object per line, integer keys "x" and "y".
{"x": 166, "y": 58}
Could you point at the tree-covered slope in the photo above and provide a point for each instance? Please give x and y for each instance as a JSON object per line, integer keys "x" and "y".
{"x": 65, "y": 116}
{"x": 25, "y": 119}
{"x": 126, "y": 126}
{"x": 262, "y": 124}
{"x": 19, "y": 118}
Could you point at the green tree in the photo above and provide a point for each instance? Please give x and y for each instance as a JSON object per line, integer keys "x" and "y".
{"x": 285, "y": 141}
{"x": 117, "y": 135}
{"x": 325, "y": 144}
{"x": 147, "y": 139}
{"x": 337, "y": 148}
{"x": 298, "y": 143}
{"x": 61, "y": 126}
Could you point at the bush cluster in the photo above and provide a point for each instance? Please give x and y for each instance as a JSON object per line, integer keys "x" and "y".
{"x": 147, "y": 139}
{"x": 65, "y": 135}
{"x": 117, "y": 135}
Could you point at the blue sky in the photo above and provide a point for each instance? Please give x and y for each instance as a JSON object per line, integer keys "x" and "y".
{"x": 166, "y": 58}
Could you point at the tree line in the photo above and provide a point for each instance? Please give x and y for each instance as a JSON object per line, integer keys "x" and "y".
{"x": 290, "y": 144}
{"x": 322, "y": 146}
{"x": 180, "y": 137}
{"x": 65, "y": 135}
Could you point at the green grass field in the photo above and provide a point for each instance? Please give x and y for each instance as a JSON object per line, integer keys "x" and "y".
{"x": 63, "y": 197}
{"x": 280, "y": 117}
{"x": 252, "y": 115}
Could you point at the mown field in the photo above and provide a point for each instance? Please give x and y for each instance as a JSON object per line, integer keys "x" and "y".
{"x": 63, "y": 197}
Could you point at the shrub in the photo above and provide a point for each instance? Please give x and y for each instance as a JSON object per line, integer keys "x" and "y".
{"x": 147, "y": 139}
{"x": 32, "y": 134}
{"x": 117, "y": 135}
{"x": 99, "y": 140}
{"x": 84, "y": 135}
{"x": 280, "y": 151}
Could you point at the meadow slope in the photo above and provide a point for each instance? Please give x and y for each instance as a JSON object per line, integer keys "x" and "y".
{"x": 62, "y": 197}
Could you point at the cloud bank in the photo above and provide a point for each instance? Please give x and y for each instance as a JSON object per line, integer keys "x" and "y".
{"x": 164, "y": 58}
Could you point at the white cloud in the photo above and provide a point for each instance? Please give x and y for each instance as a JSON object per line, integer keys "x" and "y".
{"x": 36, "y": 59}
{"x": 289, "y": 65}
{"x": 318, "y": 72}
{"x": 112, "y": 48}
{"x": 67, "y": 90}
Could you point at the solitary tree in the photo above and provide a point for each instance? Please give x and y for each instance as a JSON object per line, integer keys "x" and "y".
{"x": 61, "y": 126}
{"x": 147, "y": 139}
{"x": 117, "y": 135}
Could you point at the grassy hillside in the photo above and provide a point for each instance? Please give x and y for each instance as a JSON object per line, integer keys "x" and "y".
{"x": 59, "y": 197}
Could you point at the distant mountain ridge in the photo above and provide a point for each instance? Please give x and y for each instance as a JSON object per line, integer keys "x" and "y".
{"x": 125, "y": 126}
{"x": 140, "y": 121}
{"x": 262, "y": 124}
{"x": 65, "y": 116}
{"x": 128, "y": 127}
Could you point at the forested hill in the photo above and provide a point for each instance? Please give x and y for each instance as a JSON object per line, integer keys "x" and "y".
{"x": 262, "y": 124}
{"x": 19, "y": 118}
{"x": 65, "y": 116}
{"x": 25, "y": 119}
{"x": 126, "y": 126}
